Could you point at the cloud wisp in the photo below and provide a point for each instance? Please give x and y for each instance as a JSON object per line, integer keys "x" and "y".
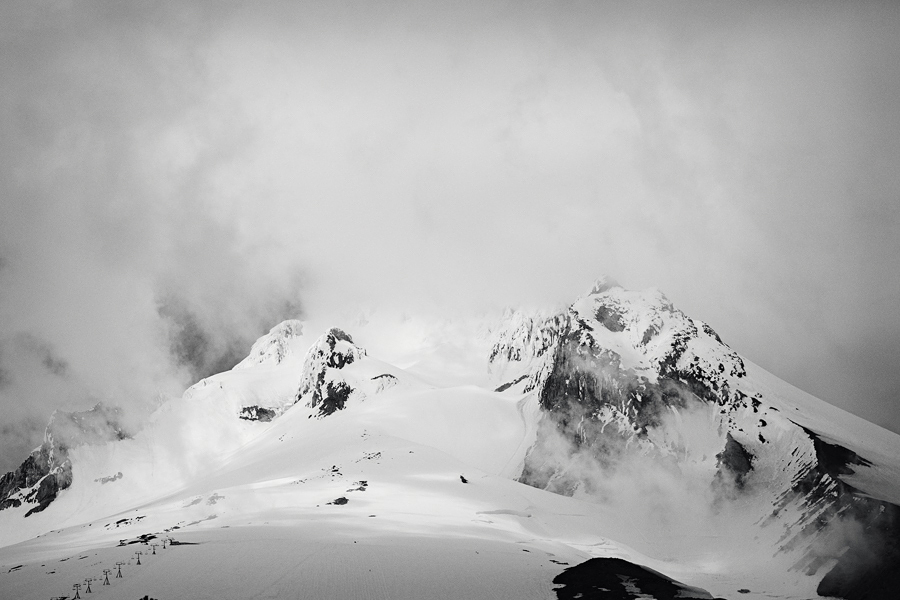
{"x": 176, "y": 179}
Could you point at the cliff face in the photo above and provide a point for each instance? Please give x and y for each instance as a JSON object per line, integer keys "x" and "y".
{"x": 48, "y": 470}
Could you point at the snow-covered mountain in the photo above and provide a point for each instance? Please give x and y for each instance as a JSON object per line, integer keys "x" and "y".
{"x": 575, "y": 453}
{"x": 642, "y": 402}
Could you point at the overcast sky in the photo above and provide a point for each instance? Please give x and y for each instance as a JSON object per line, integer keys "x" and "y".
{"x": 174, "y": 180}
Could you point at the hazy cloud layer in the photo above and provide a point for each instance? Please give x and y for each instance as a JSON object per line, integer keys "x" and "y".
{"x": 174, "y": 180}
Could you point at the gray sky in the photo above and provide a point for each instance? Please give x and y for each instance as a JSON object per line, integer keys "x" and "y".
{"x": 175, "y": 180}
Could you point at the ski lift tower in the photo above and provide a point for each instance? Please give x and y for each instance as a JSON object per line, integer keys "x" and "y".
{"x": 106, "y": 573}
{"x": 119, "y": 574}
{"x": 138, "y": 554}
{"x": 77, "y": 587}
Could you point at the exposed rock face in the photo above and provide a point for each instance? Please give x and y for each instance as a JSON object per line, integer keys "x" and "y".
{"x": 257, "y": 413}
{"x": 524, "y": 347}
{"x": 30, "y": 472}
{"x": 611, "y": 369}
{"x": 322, "y": 385}
{"x": 622, "y": 374}
{"x": 734, "y": 462}
{"x": 48, "y": 470}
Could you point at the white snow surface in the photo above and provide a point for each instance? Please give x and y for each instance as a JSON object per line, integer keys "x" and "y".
{"x": 275, "y": 346}
{"x": 253, "y": 503}
{"x": 257, "y": 499}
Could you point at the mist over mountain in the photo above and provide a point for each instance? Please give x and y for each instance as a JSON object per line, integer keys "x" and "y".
{"x": 293, "y": 294}
{"x": 615, "y": 444}
{"x": 177, "y": 178}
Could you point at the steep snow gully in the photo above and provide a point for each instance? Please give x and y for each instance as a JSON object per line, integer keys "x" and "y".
{"x": 616, "y": 448}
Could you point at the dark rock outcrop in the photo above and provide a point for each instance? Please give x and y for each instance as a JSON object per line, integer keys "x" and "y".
{"x": 48, "y": 470}
{"x": 321, "y": 386}
{"x": 734, "y": 462}
{"x": 49, "y": 488}
{"x": 617, "y": 579}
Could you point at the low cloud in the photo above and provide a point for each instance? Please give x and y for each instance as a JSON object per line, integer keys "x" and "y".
{"x": 177, "y": 179}
{"x": 20, "y": 436}
{"x": 206, "y": 345}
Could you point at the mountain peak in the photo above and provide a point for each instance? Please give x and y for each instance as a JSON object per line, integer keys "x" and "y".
{"x": 273, "y": 347}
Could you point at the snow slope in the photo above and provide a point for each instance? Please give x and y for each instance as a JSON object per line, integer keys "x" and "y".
{"x": 383, "y": 462}
{"x": 261, "y": 507}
